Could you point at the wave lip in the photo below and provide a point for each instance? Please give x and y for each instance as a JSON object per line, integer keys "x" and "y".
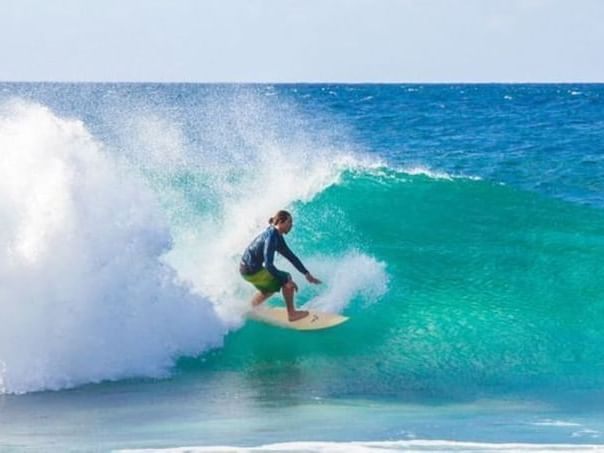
{"x": 434, "y": 174}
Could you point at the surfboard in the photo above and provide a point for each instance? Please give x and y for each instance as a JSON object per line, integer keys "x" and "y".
{"x": 316, "y": 320}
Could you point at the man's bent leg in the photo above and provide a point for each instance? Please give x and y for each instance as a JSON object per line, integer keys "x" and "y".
{"x": 292, "y": 313}
{"x": 260, "y": 297}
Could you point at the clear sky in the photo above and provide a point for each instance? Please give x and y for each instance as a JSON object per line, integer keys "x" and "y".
{"x": 302, "y": 40}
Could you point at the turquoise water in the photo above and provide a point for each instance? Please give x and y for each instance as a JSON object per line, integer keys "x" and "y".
{"x": 460, "y": 227}
{"x": 490, "y": 288}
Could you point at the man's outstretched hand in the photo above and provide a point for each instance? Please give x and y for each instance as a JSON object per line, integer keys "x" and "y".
{"x": 312, "y": 279}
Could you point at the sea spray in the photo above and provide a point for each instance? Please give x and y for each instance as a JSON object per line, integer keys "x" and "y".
{"x": 223, "y": 176}
{"x": 354, "y": 275}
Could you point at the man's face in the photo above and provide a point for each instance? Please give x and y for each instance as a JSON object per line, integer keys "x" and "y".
{"x": 287, "y": 225}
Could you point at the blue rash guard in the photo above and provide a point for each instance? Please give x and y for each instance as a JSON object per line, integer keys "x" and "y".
{"x": 262, "y": 251}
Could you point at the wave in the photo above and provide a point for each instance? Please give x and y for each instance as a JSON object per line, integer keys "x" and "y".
{"x": 481, "y": 288}
{"x": 120, "y": 257}
{"x": 117, "y": 258}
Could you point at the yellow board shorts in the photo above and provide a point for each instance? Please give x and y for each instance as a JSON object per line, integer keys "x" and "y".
{"x": 265, "y": 282}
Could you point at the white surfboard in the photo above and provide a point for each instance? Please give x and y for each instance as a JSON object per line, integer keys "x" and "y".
{"x": 315, "y": 320}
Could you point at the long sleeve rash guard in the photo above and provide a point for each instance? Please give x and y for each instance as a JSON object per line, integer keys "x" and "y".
{"x": 262, "y": 252}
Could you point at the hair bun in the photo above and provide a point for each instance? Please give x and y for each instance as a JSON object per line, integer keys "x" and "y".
{"x": 279, "y": 217}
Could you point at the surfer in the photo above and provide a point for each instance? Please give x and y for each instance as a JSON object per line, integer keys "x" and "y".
{"x": 257, "y": 265}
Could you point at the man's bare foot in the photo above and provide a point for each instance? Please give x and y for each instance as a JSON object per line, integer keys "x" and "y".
{"x": 296, "y": 315}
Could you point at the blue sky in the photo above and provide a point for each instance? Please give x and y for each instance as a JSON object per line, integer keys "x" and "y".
{"x": 302, "y": 40}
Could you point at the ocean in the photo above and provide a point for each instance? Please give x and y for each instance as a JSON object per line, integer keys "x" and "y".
{"x": 459, "y": 226}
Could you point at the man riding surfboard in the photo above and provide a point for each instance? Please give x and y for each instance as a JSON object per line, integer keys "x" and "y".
{"x": 257, "y": 265}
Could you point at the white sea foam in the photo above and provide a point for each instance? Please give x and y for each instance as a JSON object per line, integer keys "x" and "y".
{"x": 380, "y": 446}
{"x": 347, "y": 277}
{"x": 84, "y": 296}
{"x": 434, "y": 174}
{"x": 589, "y": 433}
{"x": 555, "y": 423}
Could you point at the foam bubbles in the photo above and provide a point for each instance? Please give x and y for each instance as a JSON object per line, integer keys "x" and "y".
{"x": 346, "y": 278}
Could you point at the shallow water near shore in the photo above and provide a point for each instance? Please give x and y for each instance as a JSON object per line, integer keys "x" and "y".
{"x": 226, "y": 409}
